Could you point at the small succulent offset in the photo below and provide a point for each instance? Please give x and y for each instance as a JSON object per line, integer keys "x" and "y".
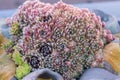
{"x": 60, "y": 37}
{"x": 22, "y": 68}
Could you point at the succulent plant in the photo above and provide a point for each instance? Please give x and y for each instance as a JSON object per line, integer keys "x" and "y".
{"x": 22, "y": 67}
{"x": 60, "y": 37}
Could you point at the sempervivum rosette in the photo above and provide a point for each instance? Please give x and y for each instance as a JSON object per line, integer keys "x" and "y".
{"x": 60, "y": 37}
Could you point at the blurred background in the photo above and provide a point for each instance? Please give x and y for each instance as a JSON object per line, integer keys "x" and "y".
{"x": 12, "y": 4}
{"x": 112, "y": 7}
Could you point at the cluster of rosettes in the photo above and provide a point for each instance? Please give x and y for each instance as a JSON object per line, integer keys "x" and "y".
{"x": 60, "y": 37}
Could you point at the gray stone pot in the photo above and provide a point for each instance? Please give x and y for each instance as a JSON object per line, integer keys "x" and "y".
{"x": 98, "y": 74}
{"x": 44, "y": 74}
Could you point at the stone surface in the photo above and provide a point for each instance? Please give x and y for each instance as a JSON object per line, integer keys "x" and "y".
{"x": 98, "y": 74}
{"x": 7, "y": 67}
{"x": 34, "y": 75}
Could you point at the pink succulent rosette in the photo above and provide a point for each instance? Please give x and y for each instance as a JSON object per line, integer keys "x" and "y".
{"x": 61, "y": 37}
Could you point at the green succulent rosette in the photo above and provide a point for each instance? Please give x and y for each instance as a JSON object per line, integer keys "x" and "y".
{"x": 22, "y": 68}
